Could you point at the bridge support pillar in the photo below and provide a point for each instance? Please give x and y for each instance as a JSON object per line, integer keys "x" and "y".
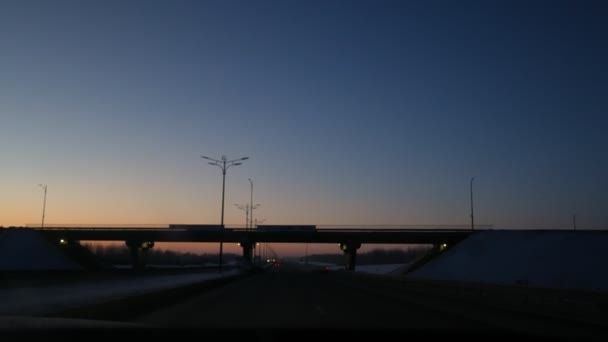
{"x": 248, "y": 251}
{"x": 139, "y": 251}
{"x": 350, "y": 253}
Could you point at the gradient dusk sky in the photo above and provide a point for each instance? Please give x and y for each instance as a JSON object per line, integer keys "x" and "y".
{"x": 352, "y": 112}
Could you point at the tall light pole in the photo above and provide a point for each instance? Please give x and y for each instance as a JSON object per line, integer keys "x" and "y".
{"x": 246, "y": 208}
{"x": 472, "y": 215}
{"x": 255, "y": 206}
{"x": 259, "y": 221}
{"x": 223, "y": 164}
{"x": 44, "y": 187}
{"x": 251, "y": 206}
{"x": 261, "y": 250}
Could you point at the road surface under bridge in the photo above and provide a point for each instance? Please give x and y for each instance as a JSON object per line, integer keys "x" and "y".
{"x": 350, "y": 238}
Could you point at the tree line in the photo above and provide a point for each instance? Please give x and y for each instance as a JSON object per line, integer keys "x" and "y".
{"x": 120, "y": 255}
{"x": 376, "y": 256}
{"x": 117, "y": 255}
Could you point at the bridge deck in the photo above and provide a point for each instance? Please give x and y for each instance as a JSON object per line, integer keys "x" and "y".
{"x": 323, "y": 235}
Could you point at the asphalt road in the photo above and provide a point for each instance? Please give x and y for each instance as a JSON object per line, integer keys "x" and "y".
{"x": 288, "y": 298}
{"x": 291, "y": 298}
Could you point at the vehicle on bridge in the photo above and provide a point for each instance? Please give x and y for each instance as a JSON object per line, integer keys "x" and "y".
{"x": 287, "y": 229}
{"x": 198, "y": 227}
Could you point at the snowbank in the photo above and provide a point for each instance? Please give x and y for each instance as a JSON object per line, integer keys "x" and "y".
{"x": 37, "y": 300}
{"x": 378, "y": 269}
{"x": 28, "y": 250}
{"x": 553, "y": 259}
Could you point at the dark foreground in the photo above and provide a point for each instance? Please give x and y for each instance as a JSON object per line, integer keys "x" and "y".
{"x": 288, "y": 303}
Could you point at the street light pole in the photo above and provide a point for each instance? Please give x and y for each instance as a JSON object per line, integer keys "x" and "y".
{"x": 260, "y": 221}
{"x": 246, "y": 208}
{"x": 472, "y": 216}
{"x": 251, "y": 205}
{"x": 44, "y": 187}
{"x": 223, "y": 164}
{"x": 261, "y": 250}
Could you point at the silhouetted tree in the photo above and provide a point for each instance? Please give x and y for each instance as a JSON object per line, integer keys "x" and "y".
{"x": 116, "y": 255}
{"x": 376, "y": 256}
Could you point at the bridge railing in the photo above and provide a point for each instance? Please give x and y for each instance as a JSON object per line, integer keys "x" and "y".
{"x": 402, "y": 227}
{"x": 236, "y": 227}
{"x": 98, "y": 226}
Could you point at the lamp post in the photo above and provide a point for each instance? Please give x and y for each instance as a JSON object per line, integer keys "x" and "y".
{"x": 260, "y": 221}
{"x": 251, "y": 206}
{"x": 472, "y": 216}
{"x": 261, "y": 250}
{"x": 246, "y": 208}
{"x": 223, "y": 164}
{"x": 44, "y": 187}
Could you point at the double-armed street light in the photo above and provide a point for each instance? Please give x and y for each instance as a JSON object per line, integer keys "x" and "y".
{"x": 223, "y": 164}
{"x": 246, "y": 209}
{"x": 251, "y": 206}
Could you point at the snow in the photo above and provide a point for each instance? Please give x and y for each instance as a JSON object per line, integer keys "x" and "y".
{"x": 552, "y": 259}
{"x": 375, "y": 269}
{"x": 47, "y": 299}
{"x": 378, "y": 269}
{"x": 28, "y": 250}
{"x": 316, "y": 263}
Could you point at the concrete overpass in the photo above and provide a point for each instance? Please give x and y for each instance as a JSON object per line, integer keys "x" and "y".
{"x": 141, "y": 238}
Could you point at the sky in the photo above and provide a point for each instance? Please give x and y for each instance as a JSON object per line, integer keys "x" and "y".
{"x": 351, "y": 112}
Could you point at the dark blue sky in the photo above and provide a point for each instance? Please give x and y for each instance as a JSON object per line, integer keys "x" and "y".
{"x": 351, "y": 111}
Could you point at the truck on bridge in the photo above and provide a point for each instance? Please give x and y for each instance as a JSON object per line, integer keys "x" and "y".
{"x": 287, "y": 229}
{"x": 198, "y": 227}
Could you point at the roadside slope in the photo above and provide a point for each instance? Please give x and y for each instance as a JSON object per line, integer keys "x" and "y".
{"x": 551, "y": 259}
{"x": 28, "y": 250}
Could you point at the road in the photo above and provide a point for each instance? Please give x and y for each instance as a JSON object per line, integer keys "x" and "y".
{"x": 291, "y": 298}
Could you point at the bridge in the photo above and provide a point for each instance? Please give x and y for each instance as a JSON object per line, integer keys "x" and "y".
{"x": 141, "y": 238}
{"x": 310, "y": 297}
